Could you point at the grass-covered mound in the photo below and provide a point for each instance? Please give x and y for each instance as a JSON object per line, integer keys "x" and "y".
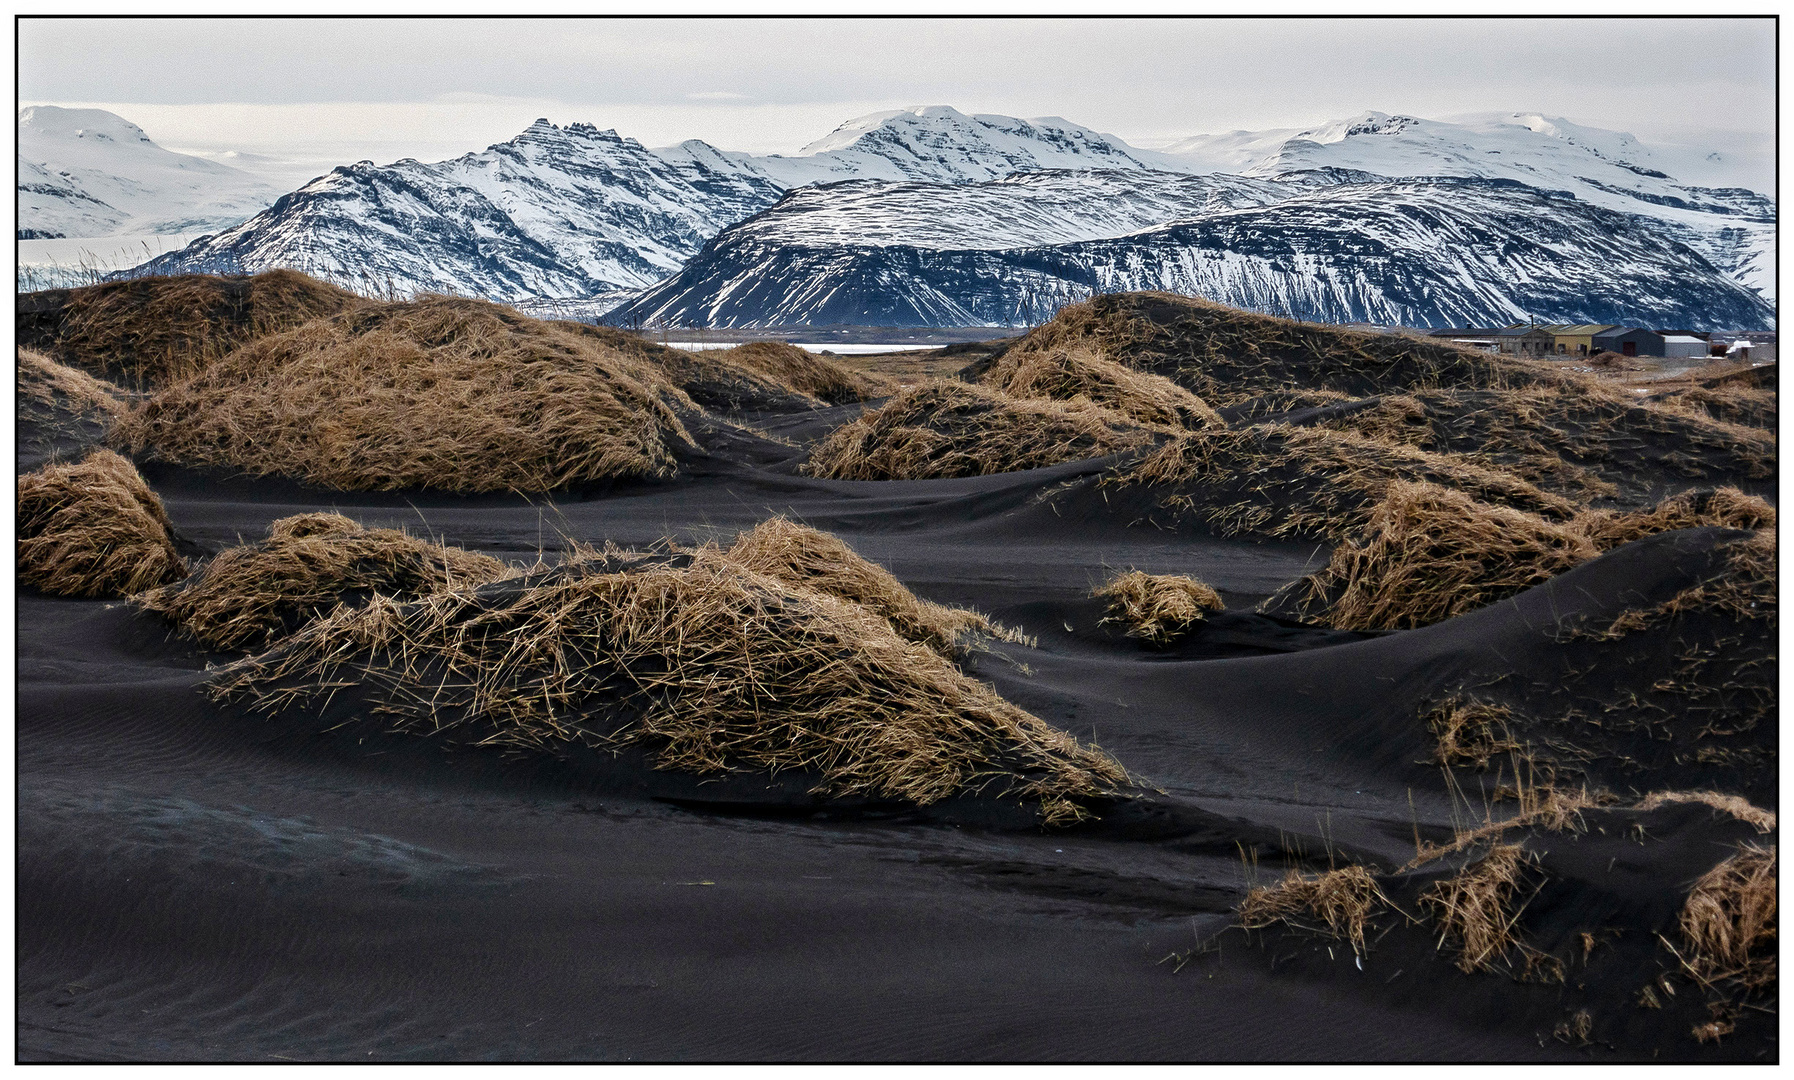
{"x": 948, "y": 429}
{"x": 247, "y": 596}
{"x": 437, "y": 392}
{"x": 1680, "y": 954}
{"x": 1570, "y": 432}
{"x": 1726, "y": 508}
{"x": 1744, "y": 588}
{"x": 1078, "y": 374}
{"x": 94, "y": 528}
{"x": 155, "y": 330}
{"x": 1729, "y": 922}
{"x": 1733, "y": 403}
{"x": 1225, "y": 355}
{"x": 1158, "y": 607}
{"x": 766, "y": 376}
{"x": 46, "y": 387}
{"x": 809, "y": 558}
{"x": 1291, "y": 482}
{"x": 712, "y": 665}
{"x": 1431, "y": 553}
{"x": 805, "y": 372}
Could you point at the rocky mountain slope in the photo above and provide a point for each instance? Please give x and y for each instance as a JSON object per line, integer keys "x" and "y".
{"x": 1443, "y": 252}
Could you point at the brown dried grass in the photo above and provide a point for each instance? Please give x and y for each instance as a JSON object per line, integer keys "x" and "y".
{"x": 718, "y": 666}
{"x": 1342, "y": 900}
{"x": 1469, "y": 732}
{"x": 712, "y": 379}
{"x": 1226, "y": 356}
{"x": 946, "y": 429}
{"x": 437, "y": 392}
{"x": 809, "y": 558}
{"x": 1539, "y": 805}
{"x": 1726, "y": 508}
{"x": 1743, "y": 589}
{"x": 1286, "y": 482}
{"x": 1752, "y": 406}
{"x": 806, "y": 372}
{"x": 1078, "y": 374}
{"x": 44, "y": 382}
{"x": 251, "y": 595}
{"x": 1479, "y": 907}
{"x": 1396, "y": 418}
{"x": 160, "y": 329}
{"x": 1158, "y": 607}
{"x": 1431, "y": 554}
{"x": 1734, "y": 805}
{"x": 1728, "y": 923}
{"x": 94, "y": 529}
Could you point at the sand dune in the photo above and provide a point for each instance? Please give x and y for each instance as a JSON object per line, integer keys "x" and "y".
{"x": 1399, "y": 745}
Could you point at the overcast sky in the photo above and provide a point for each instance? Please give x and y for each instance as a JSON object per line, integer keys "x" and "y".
{"x": 333, "y": 90}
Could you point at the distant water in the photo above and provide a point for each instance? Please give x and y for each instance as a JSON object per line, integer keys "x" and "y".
{"x": 65, "y": 261}
{"x": 838, "y": 349}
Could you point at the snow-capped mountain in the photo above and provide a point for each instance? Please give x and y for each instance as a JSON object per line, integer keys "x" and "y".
{"x": 90, "y": 173}
{"x": 940, "y": 143}
{"x": 555, "y": 212}
{"x": 1733, "y": 227}
{"x": 579, "y": 213}
{"x": 572, "y": 212}
{"x": 1439, "y": 252}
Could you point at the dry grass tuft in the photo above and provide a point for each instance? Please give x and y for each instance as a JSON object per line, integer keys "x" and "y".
{"x": 1726, "y": 508}
{"x": 94, "y": 529}
{"x": 1728, "y": 923}
{"x": 1737, "y": 806}
{"x": 805, "y": 372}
{"x": 808, "y": 558}
{"x": 159, "y": 329}
{"x": 45, "y": 383}
{"x": 1289, "y": 482}
{"x": 1078, "y": 374}
{"x": 1469, "y": 732}
{"x": 718, "y": 666}
{"x": 1431, "y": 554}
{"x": 247, "y": 596}
{"x": 1752, "y": 406}
{"x": 946, "y": 429}
{"x": 438, "y": 392}
{"x": 1396, "y": 418}
{"x": 1343, "y": 899}
{"x": 1539, "y": 806}
{"x": 1478, "y": 907}
{"x": 1158, "y": 607}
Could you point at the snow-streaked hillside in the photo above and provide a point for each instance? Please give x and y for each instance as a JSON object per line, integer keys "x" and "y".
{"x": 939, "y": 143}
{"x": 90, "y": 173}
{"x": 1734, "y": 228}
{"x": 1023, "y": 210}
{"x": 1417, "y": 253}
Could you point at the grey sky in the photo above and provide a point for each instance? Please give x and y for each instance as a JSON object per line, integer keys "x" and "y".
{"x": 334, "y": 90}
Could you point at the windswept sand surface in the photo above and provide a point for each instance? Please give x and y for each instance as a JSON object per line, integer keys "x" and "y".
{"x": 197, "y": 882}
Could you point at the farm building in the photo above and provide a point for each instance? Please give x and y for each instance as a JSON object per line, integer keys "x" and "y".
{"x": 1575, "y": 340}
{"x": 1482, "y": 340}
{"x": 1684, "y": 345}
{"x": 1628, "y": 341}
{"x": 1525, "y": 340}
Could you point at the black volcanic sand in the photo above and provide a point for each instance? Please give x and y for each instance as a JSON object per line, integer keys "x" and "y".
{"x": 195, "y": 883}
